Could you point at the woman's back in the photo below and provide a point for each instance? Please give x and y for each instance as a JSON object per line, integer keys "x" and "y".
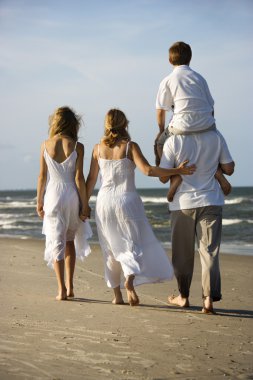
{"x": 59, "y": 148}
{"x": 116, "y": 168}
{"x": 60, "y": 155}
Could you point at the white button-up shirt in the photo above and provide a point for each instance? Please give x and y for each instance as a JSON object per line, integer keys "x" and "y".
{"x": 189, "y": 93}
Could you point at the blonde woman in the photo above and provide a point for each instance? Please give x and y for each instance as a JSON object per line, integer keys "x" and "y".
{"x": 127, "y": 240}
{"x": 62, "y": 200}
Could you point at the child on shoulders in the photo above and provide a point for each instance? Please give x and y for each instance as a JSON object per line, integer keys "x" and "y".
{"x": 184, "y": 92}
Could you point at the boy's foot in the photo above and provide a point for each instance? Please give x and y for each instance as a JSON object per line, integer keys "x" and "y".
{"x": 132, "y": 297}
{"x": 170, "y": 195}
{"x": 208, "y": 306}
{"x": 179, "y": 301}
{"x": 174, "y": 183}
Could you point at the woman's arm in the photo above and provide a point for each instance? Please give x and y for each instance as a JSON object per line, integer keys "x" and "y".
{"x": 80, "y": 183}
{"x": 41, "y": 184}
{"x": 93, "y": 173}
{"x": 154, "y": 171}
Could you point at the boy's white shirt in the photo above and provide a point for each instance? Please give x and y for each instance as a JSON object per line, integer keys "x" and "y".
{"x": 189, "y": 93}
{"x": 206, "y": 151}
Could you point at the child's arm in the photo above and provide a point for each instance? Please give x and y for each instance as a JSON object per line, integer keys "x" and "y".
{"x": 41, "y": 185}
{"x": 154, "y": 171}
{"x": 93, "y": 173}
{"x": 80, "y": 183}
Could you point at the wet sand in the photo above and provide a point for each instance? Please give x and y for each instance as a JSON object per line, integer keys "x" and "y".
{"x": 89, "y": 338}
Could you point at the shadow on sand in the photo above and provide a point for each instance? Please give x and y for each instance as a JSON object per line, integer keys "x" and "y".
{"x": 235, "y": 313}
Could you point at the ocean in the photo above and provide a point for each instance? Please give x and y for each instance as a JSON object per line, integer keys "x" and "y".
{"x": 18, "y": 218}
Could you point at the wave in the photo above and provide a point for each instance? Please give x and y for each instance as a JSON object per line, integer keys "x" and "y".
{"x": 7, "y": 198}
{"x": 144, "y": 199}
{"x": 23, "y": 237}
{"x": 234, "y": 201}
{"x": 19, "y": 227}
{"x": 163, "y": 200}
{"x": 154, "y": 199}
{"x": 238, "y": 200}
{"x": 228, "y": 222}
{"x": 16, "y": 204}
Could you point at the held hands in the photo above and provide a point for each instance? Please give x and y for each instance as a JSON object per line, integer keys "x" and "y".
{"x": 85, "y": 213}
{"x": 40, "y": 210}
{"x": 186, "y": 170}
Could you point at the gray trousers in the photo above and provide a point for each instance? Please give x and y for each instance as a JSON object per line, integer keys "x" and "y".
{"x": 204, "y": 224}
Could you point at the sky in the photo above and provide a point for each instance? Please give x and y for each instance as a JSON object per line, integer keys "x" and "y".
{"x": 96, "y": 55}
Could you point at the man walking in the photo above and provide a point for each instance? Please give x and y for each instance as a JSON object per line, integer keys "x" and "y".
{"x": 196, "y": 212}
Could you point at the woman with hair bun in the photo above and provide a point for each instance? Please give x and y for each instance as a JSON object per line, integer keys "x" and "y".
{"x": 126, "y": 238}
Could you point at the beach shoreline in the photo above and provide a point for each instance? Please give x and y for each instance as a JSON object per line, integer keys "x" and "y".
{"x": 89, "y": 338}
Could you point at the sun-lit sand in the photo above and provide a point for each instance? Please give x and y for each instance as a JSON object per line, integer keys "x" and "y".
{"x": 87, "y": 337}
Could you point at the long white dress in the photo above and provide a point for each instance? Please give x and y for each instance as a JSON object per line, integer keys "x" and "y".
{"x": 61, "y": 221}
{"x": 126, "y": 237}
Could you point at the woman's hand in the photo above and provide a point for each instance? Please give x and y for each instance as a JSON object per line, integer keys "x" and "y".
{"x": 85, "y": 213}
{"x": 186, "y": 170}
{"x": 40, "y": 210}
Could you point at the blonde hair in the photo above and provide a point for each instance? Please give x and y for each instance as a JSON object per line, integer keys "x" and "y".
{"x": 64, "y": 121}
{"x": 116, "y": 125}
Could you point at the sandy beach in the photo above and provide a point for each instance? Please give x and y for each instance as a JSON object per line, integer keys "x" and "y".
{"x": 89, "y": 338}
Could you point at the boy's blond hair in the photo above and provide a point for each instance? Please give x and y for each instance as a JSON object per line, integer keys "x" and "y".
{"x": 116, "y": 125}
{"x": 180, "y": 53}
{"x": 64, "y": 121}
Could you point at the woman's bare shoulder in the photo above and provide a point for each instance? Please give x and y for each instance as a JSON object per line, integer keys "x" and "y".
{"x": 79, "y": 148}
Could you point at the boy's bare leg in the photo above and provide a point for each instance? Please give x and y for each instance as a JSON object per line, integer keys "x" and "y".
{"x": 132, "y": 297}
{"x": 224, "y": 184}
{"x": 175, "y": 181}
{"x": 59, "y": 271}
{"x": 158, "y": 150}
{"x": 70, "y": 261}
{"x": 118, "y": 299}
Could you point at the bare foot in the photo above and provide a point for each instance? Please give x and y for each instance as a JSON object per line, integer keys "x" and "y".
{"x": 62, "y": 296}
{"x": 132, "y": 297}
{"x": 70, "y": 293}
{"x": 118, "y": 301}
{"x": 175, "y": 181}
{"x": 224, "y": 184}
{"x": 208, "y": 306}
{"x": 179, "y": 301}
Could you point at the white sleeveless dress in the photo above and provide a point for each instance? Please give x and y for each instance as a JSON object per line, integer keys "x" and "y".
{"x": 126, "y": 237}
{"x": 61, "y": 221}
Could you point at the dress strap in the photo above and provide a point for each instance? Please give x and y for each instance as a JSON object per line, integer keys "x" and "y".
{"x": 75, "y": 145}
{"x": 127, "y": 148}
